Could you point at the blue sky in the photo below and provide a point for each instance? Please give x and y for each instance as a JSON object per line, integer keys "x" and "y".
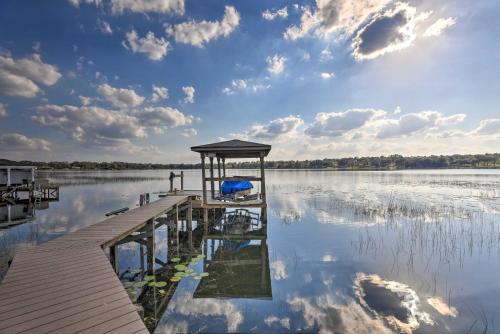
{"x": 138, "y": 80}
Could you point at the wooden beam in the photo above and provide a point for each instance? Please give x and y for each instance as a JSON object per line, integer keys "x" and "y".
{"x": 203, "y": 181}
{"x": 263, "y": 178}
{"x": 234, "y": 178}
{"x": 224, "y": 167}
{"x": 212, "y": 185}
{"x": 218, "y": 173}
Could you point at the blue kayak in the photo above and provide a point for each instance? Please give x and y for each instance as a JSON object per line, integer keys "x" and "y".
{"x": 231, "y": 187}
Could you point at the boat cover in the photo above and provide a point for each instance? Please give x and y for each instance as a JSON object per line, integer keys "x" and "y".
{"x": 231, "y": 187}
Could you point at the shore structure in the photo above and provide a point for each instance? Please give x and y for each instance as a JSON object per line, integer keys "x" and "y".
{"x": 71, "y": 284}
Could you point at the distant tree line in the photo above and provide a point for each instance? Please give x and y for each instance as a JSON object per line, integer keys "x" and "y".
{"x": 392, "y": 162}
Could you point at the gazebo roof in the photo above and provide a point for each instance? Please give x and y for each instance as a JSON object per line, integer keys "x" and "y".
{"x": 234, "y": 149}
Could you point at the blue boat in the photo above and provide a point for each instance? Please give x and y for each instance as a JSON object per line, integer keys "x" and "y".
{"x": 232, "y": 187}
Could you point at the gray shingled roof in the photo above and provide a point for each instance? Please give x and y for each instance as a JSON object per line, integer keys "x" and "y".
{"x": 234, "y": 149}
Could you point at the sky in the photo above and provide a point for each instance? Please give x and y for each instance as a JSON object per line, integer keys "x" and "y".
{"x": 144, "y": 80}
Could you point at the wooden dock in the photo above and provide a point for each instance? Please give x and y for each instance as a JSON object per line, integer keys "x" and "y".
{"x": 68, "y": 285}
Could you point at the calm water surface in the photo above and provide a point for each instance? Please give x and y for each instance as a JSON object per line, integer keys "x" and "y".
{"x": 346, "y": 252}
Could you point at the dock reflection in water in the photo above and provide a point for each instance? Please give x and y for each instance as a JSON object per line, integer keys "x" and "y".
{"x": 228, "y": 258}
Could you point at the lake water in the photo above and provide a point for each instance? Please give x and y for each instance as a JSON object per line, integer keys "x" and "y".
{"x": 346, "y": 252}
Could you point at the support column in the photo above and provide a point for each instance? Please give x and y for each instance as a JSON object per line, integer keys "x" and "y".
{"x": 190, "y": 223}
{"x": 151, "y": 248}
{"x": 224, "y": 167}
{"x": 262, "y": 179}
{"x": 203, "y": 182}
{"x": 205, "y": 220}
{"x": 212, "y": 186}
{"x": 218, "y": 174}
{"x": 8, "y": 177}
{"x": 182, "y": 180}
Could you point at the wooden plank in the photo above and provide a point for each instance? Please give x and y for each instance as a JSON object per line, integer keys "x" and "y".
{"x": 68, "y": 285}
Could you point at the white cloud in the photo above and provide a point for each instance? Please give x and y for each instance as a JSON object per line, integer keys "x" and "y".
{"x": 108, "y": 127}
{"x": 154, "y": 48}
{"x": 284, "y": 322}
{"x": 276, "y": 64}
{"x": 162, "y": 118}
{"x": 279, "y": 13}
{"x": 245, "y": 85}
{"x": 189, "y": 91}
{"x": 325, "y": 55}
{"x": 278, "y": 270}
{"x": 159, "y": 93}
{"x": 148, "y": 6}
{"x": 77, "y": 3}
{"x": 18, "y": 76}
{"x": 387, "y": 32}
{"x": 488, "y": 127}
{"x": 327, "y": 75}
{"x": 189, "y": 132}
{"x": 334, "y": 16}
{"x": 336, "y": 124}
{"x": 17, "y": 141}
{"x": 411, "y": 123}
{"x": 276, "y": 128}
{"x": 3, "y": 111}
{"x": 85, "y": 100}
{"x": 104, "y": 27}
{"x": 200, "y": 33}
{"x": 120, "y": 97}
{"x": 15, "y": 85}
{"x": 439, "y": 26}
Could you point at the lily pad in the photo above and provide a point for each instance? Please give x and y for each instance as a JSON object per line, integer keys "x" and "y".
{"x": 149, "y": 278}
{"x": 193, "y": 262}
{"x": 161, "y": 284}
{"x": 180, "y": 274}
{"x": 175, "y": 279}
{"x": 197, "y": 277}
{"x": 204, "y": 274}
{"x": 190, "y": 271}
{"x": 176, "y": 259}
{"x": 140, "y": 284}
{"x": 201, "y": 256}
{"x": 180, "y": 267}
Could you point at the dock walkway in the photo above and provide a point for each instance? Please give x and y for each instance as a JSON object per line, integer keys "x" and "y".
{"x": 68, "y": 285}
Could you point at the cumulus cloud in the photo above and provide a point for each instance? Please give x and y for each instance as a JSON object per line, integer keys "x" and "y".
{"x": 387, "y": 32}
{"x": 154, "y": 48}
{"x": 189, "y": 91}
{"x": 18, "y": 76}
{"x": 108, "y": 127}
{"x": 279, "y": 13}
{"x": 104, "y": 27}
{"x": 325, "y": 55}
{"x": 159, "y": 93}
{"x": 411, "y": 123}
{"x": 336, "y": 124}
{"x": 3, "y": 111}
{"x": 488, "y": 127}
{"x": 17, "y": 141}
{"x": 85, "y": 100}
{"x": 276, "y": 128}
{"x": 439, "y": 26}
{"x": 148, "y": 6}
{"x": 275, "y": 64}
{"x": 334, "y": 16}
{"x": 284, "y": 322}
{"x": 200, "y": 33}
{"x": 189, "y": 132}
{"x": 120, "y": 97}
{"x": 327, "y": 75}
{"x": 162, "y": 118}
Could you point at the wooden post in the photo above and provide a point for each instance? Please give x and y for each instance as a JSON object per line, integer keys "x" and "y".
{"x": 141, "y": 199}
{"x": 212, "y": 185}
{"x": 190, "y": 223}
{"x": 224, "y": 167}
{"x": 176, "y": 222}
{"x": 203, "y": 182}
{"x": 182, "y": 180}
{"x": 262, "y": 178}
{"x": 141, "y": 254}
{"x": 205, "y": 220}
{"x": 218, "y": 173}
{"x": 151, "y": 248}
{"x": 171, "y": 184}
